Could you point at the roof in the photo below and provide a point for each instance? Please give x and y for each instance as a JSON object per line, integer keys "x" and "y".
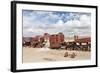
{"x": 83, "y": 40}
{"x": 27, "y": 39}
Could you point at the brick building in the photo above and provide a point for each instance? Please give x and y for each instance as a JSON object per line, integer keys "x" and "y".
{"x": 55, "y": 40}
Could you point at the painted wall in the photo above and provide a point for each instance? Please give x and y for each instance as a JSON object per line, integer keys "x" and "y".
{"x": 5, "y": 36}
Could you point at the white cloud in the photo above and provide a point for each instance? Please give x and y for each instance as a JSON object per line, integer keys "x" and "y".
{"x": 79, "y": 27}
{"x": 59, "y": 24}
{"x": 85, "y": 20}
{"x": 32, "y": 26}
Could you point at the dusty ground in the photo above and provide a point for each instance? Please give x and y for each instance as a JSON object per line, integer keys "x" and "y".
{"x": 45, "y": 55}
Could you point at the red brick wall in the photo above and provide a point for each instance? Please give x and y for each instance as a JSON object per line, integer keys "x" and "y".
{"x": 55, "y": 40}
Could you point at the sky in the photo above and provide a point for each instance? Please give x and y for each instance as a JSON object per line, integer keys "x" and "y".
{"x": 52, "y": 22}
